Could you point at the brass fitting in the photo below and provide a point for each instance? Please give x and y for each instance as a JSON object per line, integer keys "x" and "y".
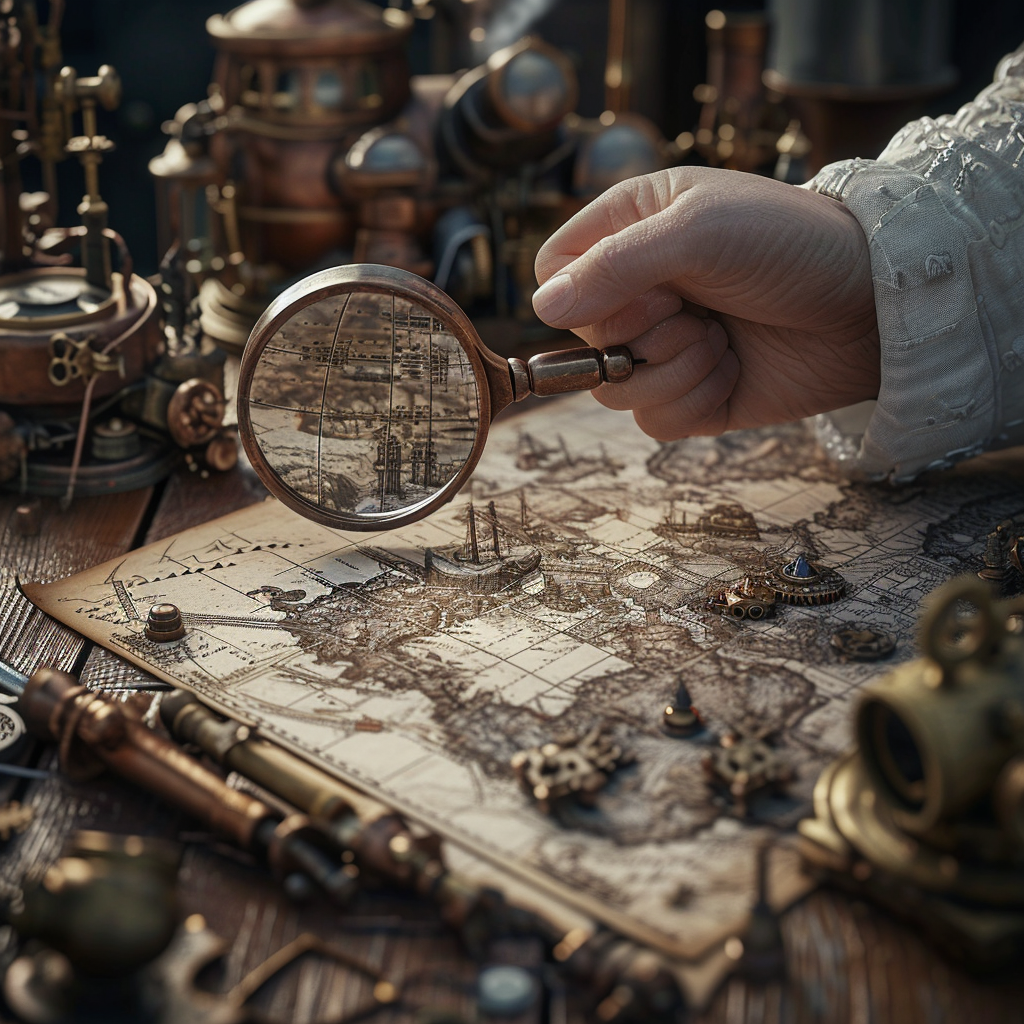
{"x": 936, "y": 733}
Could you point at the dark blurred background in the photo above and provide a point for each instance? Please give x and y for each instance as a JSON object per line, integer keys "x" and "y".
{"x": 161, "y": 51}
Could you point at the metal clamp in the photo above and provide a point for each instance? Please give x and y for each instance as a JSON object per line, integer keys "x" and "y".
{"x": 74, "y": 359}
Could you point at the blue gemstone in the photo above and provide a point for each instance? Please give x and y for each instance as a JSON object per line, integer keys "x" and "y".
{"x": 800, "y": 569}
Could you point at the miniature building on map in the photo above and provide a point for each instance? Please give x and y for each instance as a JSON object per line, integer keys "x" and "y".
{"x": 749, "y": 599}
{"x": 803, "y": 582}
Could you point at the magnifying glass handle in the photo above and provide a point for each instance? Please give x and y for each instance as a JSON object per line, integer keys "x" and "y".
{"x": 574, "y": 369}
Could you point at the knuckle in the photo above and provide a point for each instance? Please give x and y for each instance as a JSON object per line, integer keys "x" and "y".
{"x": 612, "y": 397}
{"x": 659, "y": 423}
{"x": 607, "y": 267}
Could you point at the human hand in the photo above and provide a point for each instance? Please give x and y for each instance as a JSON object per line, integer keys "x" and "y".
{"x": 751, "y": 300}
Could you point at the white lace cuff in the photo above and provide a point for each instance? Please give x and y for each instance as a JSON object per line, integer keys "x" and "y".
{"x": 943, "y": 210}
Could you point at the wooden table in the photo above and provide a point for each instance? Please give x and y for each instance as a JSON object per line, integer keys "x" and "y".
{"x": 846, "y": 962}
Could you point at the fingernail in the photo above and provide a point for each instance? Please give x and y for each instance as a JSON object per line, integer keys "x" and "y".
{"x": 553, "y": 299}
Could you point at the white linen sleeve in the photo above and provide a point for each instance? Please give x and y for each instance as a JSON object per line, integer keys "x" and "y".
{"x": 943, "y": 212}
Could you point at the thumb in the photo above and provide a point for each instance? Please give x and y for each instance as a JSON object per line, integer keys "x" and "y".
{"x": 622, "y": 245}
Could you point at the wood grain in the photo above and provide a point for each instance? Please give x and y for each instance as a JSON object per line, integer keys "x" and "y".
{"x": 92, "y": 530}
{"x": 848, "y": 963}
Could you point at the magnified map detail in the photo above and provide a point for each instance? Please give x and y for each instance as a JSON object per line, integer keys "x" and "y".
{"x": 364, "y": 403}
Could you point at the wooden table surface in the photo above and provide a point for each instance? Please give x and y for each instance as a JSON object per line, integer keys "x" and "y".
{"x": 846, "y": 961}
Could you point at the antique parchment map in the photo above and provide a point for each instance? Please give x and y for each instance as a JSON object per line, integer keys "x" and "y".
{"x": 416, "y": 663}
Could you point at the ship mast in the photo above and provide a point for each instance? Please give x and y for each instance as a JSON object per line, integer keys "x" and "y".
{"x": 565, "y": 450}
{"x": 474, "y": 550}
{"x": 494, "y": 527}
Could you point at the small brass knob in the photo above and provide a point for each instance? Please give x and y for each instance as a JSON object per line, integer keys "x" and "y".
{"x": 164, "y": 623}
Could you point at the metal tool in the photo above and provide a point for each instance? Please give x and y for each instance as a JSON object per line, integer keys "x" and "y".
{"x": 572, "y": 767}
{"x": 11, "y": 680}
{"x": 926, "y": 815}
{"x": 95, "y": 732}
{"x": 365, "y": 395}
{"x": 381, "y": 843}
{"x": 365, "y": 830}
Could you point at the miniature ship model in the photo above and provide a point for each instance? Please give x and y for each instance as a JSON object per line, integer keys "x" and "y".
{"x": 475, "y": 570}
{"x": 926, "y": 814}
{"x": 730, "y": 521}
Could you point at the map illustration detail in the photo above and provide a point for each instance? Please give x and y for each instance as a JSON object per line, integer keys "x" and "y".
{"x": 541, "y": 603}
{"x": 363, "y": 402}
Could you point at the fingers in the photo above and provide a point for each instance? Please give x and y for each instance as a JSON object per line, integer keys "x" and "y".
{"x": 608, "y": 275}
{"x": 620, "y": 246}
{"x": 685, "y": 386}
{"x": 636, "y": 317}
{"x": 702, "y": 411}
{"x": 680, "y": 352}
{"x": 624, "y": 204}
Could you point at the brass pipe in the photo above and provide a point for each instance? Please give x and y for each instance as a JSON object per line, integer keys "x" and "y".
{"x": 90, "y": 727}
{"x": 936, "y": 733}
{"x": 1008, "y": 799}
{"x": 379, "y": 838}
{"x": 289, "y": 777}
{"x": 382, "y": 843}
{"x": 94, "y": 731}
{"x": 616, "y": 70}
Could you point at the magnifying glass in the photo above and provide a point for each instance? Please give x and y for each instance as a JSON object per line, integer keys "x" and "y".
{"x": 365, "y": 395}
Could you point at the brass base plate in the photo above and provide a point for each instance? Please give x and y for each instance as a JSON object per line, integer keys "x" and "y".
{"x": 975, "y": 912}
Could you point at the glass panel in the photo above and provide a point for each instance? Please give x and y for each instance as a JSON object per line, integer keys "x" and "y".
{"x": 328, "y": 91}
{"x": 369, "y": 86}
{"x": 534, "y": 87}
{"x": 288, "y": 90}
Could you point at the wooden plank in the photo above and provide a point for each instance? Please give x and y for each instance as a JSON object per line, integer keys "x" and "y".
{"x": 850, "y": 963}
{"x": 92, "y": 530}
{"x": 189, "y": 499}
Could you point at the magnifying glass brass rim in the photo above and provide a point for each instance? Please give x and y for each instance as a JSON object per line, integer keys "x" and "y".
{"x": 346, "y": 280}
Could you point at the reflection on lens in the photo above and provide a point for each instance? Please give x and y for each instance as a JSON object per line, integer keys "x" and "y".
{"x": 364, "y": 403}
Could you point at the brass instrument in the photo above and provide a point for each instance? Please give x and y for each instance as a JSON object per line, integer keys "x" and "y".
{"x": 926, "y": 815}
{"x": 96, "y": 732}
{"x": 335, "y": 835}
{"x": 87, "y": 380}
{"x": 635, "y": 983}
{"x": 316, "y": 147}
{"x": 742, "y": 126}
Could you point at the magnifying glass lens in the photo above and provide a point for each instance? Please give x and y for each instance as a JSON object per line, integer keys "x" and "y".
{"x": 359, "y": 406}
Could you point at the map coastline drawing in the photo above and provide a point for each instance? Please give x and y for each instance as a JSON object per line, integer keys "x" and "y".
{"x": 364, "y": 403}
{"x": 568, "y": 585}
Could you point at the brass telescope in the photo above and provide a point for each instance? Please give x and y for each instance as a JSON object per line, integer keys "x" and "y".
{"x": 94, "y": 732}
{"x": 938, "y": 737}
{"x": 927, "y": 813}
